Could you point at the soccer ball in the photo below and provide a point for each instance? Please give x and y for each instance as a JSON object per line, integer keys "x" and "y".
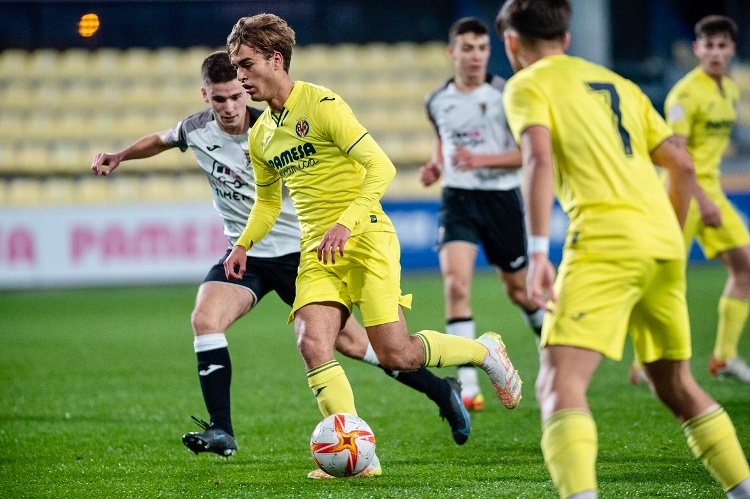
{"x": 342, "y": 445}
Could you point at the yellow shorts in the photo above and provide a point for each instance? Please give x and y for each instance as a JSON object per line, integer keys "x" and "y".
{"x": 368, "y": 275}
{"x": 732, "y": 233}
{"x": 600, "y": 301}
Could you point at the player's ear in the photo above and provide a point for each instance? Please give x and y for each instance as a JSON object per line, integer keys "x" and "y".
{"x": 510, "y": 41}
{"x": 277, "y": 60}
{"x": 205, "y": 94}
{"x": 566, "y": 41}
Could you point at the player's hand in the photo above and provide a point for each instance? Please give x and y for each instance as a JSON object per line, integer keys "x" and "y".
{"x": 234, "y": 265}
{"x": 333, "y": 242}
{"x": 429, "y": 173}
{"x": 104, "y": 163}
{"x": 540, "y": 281}
{"x": 463, "y": 159}
{"x": 710, "y": 213}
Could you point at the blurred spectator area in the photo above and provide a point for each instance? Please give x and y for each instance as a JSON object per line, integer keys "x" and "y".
{"x": 59, "y": 108}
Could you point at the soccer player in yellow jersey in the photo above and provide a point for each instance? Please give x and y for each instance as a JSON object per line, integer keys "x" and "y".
{"x": 336, "y": 174}
{"x": 701, "y": 109}
{"x": 590, "y": 137}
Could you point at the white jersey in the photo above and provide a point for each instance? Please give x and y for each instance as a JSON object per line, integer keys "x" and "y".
{"x": 225, "y": 160}
{"x": 476, "y": 121}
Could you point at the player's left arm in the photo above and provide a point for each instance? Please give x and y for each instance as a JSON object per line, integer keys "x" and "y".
{"x": 464, "y": 159}
{"x": 680, "y": 111}
{"x": 681, "y": 182}
{"x": 379, "y": 172}
{"x": 344, "y": 130}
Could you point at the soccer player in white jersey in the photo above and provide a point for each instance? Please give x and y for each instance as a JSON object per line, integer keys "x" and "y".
{"x": 218, "y": 138}
{"x": 480, "y": 164}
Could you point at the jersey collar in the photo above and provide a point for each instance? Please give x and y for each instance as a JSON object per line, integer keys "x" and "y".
{"x": 288, "y": 105}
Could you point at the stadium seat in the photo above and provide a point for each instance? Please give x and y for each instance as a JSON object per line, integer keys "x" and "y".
{"x": 134, "y": 63}
{"x": 192, "y": 186}
{"x": 13, "y": 64}
{"x": 22, "y": 191}
{"x": 73, "y": 63}
{"x": 57, "y": 191}
{"x": 32, "y": 158}
{"x": 12, "y": 124}
{"x": 104, "y": 63}
{"x": 68, "y": 157}
{"x": 42, "y": 64}
{"x": 7, "y": 157}
{"x": 18, "y": 94}
{"x": 127, "y": 188}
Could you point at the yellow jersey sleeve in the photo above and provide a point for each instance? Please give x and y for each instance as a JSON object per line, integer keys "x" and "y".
{"x": 379, "y": 174}
{"x": 525, "y": 106}
{"x": 267, "y": 205}
{"x": 679, "y": 108}
{"x": 704, "y": 112}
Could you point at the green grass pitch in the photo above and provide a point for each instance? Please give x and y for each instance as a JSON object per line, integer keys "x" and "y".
{"x": 97, "y": 387}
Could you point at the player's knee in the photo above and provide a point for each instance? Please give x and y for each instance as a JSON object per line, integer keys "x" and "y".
{"x": 202, "y": 322}
{"x": 456, "y": 289}
{"x": 517, "y": 295}
{"x": 348, "y": 346}
{"x": 741, "y": 278}
{"x": 400, "y": 359}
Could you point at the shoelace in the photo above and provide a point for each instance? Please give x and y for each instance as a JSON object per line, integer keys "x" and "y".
{"x": 204, "y": 426}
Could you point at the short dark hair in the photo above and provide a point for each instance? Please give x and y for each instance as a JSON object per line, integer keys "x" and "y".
{"x": 535, "y": 19}
{"x": 217, "y": 68}
{"x": 467, "y": 25}
{"x": 714, "y": 25}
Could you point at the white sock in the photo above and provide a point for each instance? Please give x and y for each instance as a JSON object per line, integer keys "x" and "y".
{"x": 205, "y": 342}
{"x": 467, "y": 375}
{"x": 586, "y": 494}
{"x": 740, "y": 491}
{"x": 469, "y": 381}
{"x": 370, "y": 356}
{"x": 534, "y": 319}
{"x": 465, "y": 329}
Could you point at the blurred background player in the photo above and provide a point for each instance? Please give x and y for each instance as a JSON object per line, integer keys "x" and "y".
{"x": 480, "y": 164}
{"x": 592, "y": 137}
{"x": 702, "y": 109}
{"x": 336, "y": 174}
{"x": 218, "y": 138}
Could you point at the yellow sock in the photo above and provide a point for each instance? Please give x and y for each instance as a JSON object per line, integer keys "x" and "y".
{"x": 331, "y": 388}
{"x": 569, "y": 446}
{"x": 442, "y": 350}
{"x": 713, "y": 440}
{"x": 732, "y": 316}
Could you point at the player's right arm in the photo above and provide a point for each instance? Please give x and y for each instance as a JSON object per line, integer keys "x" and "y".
{"x": 430, "y": 172}
{"x": 262, "y": 217}
{"x": 145, "y": 147}
{"x": 539, "y": 195}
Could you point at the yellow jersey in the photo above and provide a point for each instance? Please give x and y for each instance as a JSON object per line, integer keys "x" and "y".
{"x": 698, "y": 109}
{"x": 602, "y": 129}
{"x": 335, "y": 171}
